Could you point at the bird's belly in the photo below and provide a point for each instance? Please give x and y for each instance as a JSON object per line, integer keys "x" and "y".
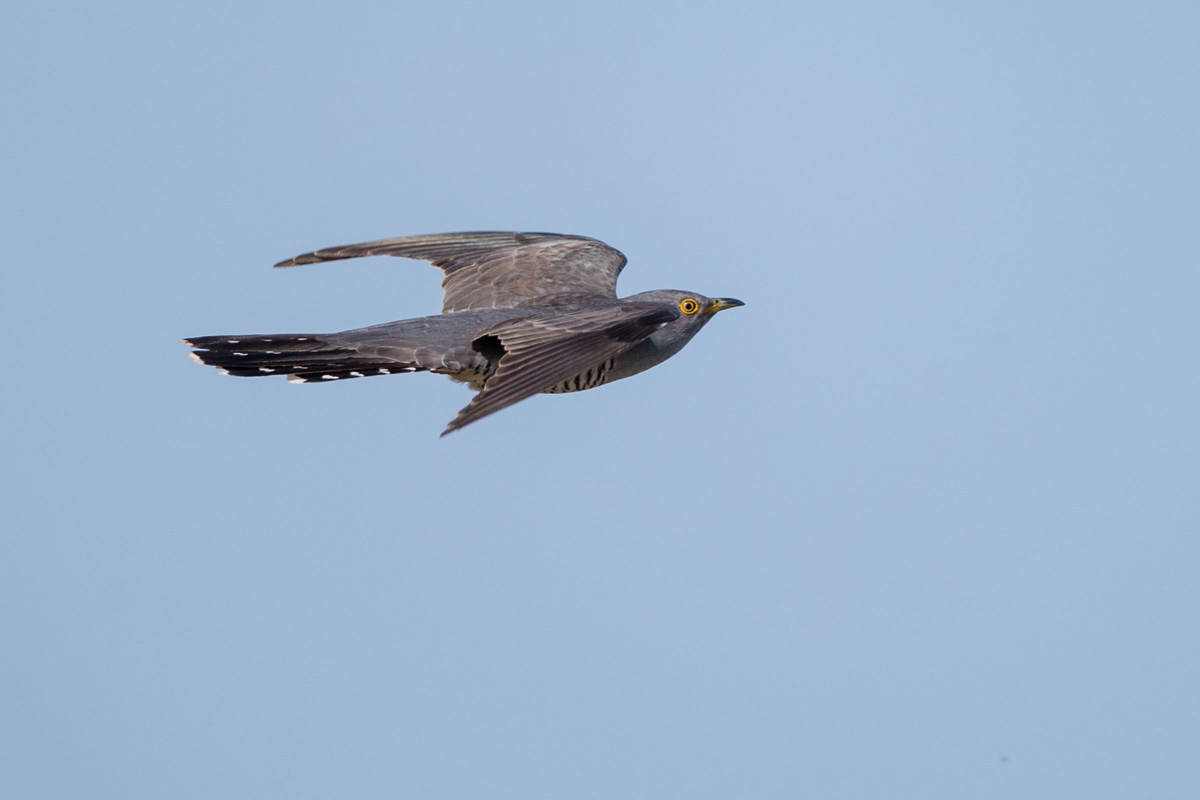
{"x": 589, "y": 379}
{"x": 475, "y": 378}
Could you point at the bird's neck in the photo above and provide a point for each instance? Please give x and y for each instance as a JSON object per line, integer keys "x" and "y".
{"x": 642, "y": 357}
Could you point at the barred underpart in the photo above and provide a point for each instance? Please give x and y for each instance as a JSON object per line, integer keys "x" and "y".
{"x": 596, "y": 376}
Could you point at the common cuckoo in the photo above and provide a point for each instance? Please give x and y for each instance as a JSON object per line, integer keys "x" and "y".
{"x": 522, "y": 313}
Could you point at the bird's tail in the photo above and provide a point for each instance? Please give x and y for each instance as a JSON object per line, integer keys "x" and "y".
{"x": 303, "y": 358}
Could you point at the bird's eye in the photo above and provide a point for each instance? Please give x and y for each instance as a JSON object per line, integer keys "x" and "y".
{"x": 688, "y": 306}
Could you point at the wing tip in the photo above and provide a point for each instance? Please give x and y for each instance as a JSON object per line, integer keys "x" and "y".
{"x": 314, "y": 257}
{"x": 455, "y": 424}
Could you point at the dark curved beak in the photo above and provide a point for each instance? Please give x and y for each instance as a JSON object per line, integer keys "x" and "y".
{"x": 722, "y": 303}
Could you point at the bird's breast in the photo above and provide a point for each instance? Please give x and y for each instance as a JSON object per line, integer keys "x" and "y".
{"x": 589, "y": 379}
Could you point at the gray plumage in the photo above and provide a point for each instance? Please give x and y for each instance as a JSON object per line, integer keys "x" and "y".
{"x": 523, "y": 313}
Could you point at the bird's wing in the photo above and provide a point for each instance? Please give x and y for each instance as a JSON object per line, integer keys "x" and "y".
{"x": 498, "y": 269}
{"x": 544, "y": 350}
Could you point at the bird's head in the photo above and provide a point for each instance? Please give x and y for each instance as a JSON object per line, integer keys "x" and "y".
{"x": 693, "y": 310}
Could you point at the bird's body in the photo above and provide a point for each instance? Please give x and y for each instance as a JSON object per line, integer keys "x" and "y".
{"x": 523, "y": 314}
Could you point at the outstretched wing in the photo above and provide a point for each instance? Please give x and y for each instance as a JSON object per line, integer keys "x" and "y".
{"x": 546, "y": 349}
{"x": 496, "y": 269}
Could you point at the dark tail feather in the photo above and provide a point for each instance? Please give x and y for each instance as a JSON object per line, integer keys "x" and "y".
{"x": 304, "y": 358}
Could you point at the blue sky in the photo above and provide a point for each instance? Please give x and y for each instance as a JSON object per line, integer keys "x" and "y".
{"x": 918, "y": 521}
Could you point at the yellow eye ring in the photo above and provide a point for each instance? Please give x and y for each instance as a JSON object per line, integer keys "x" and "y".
{"x": 689, "y": 306}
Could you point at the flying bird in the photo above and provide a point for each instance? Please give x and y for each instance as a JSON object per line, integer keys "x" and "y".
{"x": 522, "y": 313}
